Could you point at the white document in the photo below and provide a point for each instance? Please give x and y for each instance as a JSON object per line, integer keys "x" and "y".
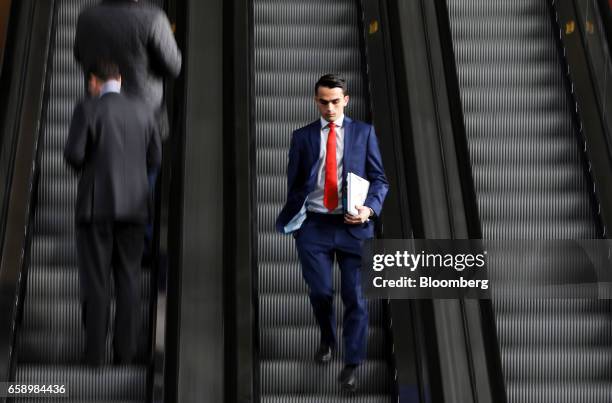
{"x": 356, "y": 192}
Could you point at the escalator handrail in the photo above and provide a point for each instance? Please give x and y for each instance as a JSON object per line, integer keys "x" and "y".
{"x": 470, "y": 202}
{"x": 162, "y": 376}
{"x": 605, "y": 13}
{"x": 27, "y": 70}
{"x": 5, "y": 11}
{"x": 405, "y": 329}
{"x": 595, "y": 27}
{"x": 588, "y": 114}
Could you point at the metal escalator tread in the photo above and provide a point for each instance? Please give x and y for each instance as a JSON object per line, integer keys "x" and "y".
{"x": 305, "y": 398}
{"x": 295, "y": 43}
{"x": 105, "y": 383}
{"x": 530, "y": 183}
{"x": 51, "y": 337}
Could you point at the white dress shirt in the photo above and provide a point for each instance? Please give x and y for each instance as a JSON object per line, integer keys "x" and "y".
{"x": 314, "y": 201}
{"x": 109, "y": 86}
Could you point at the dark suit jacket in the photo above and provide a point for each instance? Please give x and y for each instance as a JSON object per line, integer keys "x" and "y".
{"x": 113, "y": 143}
{"x": 138, "y": 37}
{"x": 361, "y": 157}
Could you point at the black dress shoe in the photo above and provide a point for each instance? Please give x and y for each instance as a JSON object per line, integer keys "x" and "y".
{"x": 348, "y": 379}
{"x": 323, "y": 354}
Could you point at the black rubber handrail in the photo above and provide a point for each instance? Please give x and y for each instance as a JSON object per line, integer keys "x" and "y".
{"x": 470, "y": 203}
{"x": 594, "y": 27}
{"x": 406, "y": 331}
{"x": 164, "y": 316}
{"x": 605, "y": 11}
{"x": 5, "y": 9}
{"x": 591, "y": 116}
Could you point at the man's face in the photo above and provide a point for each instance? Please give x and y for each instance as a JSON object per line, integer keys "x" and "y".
{"x": 331, "y": 102}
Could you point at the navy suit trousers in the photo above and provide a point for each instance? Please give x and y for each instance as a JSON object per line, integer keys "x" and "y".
{"x": 322, "y": 238}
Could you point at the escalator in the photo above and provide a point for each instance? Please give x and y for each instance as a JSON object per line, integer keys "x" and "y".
{"x": 531, "y": 182}
{"x": 50, "y": 338}
{"x": 294, "y": 44}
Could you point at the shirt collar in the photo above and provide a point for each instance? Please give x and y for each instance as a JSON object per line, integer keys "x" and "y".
{"x": 110, "y": 86}
{"x": 338, "y": 122}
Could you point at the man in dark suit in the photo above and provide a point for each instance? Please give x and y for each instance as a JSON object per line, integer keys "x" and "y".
{"x": 113, "y": 144}
{"x": 139, "y": 38}
{"x": 320, "y": 156}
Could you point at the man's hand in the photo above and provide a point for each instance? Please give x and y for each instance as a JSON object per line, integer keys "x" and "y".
{"x": 364, "y": 213}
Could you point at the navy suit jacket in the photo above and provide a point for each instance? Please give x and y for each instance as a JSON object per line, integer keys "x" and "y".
{"x": 361, "y": 156}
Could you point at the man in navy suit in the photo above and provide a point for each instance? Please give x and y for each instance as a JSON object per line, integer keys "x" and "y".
{"x": 320, "y": 156}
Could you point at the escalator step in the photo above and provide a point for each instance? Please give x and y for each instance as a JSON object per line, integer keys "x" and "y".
{"x": 528, "y": 151}
{"x": 548, "y": 124}
{"x": 294, "y": 107}
{"x": 64, "y": 314}
{"x": 105, "y": 383}
{"x": 553, "y": 306}
{"x": 487, "y": 76}
{"x": 276, "y": 248}
{"x": 64, "y": 347}
{"x": 516, "y": 179}
{"x": 295, "y": 309}
{"x": 291, "y": 84}
{"x": 299, "y": 13}
{"x": 557, "y": 364}
{"x": 301, "y": 398}
{"x": 591, "y": 329}
{"x": 301, "y": 343}
{"x": 559, "y": 392}
{"x": 63, "y": 282}
{"x": 309, "y": 377}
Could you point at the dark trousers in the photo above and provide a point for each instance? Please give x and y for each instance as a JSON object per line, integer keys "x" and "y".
{"x": 102, "y": 247}
{"x": 148, "y": 238}
{"x": 320, "y": 239}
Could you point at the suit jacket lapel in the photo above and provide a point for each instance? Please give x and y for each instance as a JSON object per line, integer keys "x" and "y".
{"x": 348, "y": 142}
{"x": 315, "y": 144}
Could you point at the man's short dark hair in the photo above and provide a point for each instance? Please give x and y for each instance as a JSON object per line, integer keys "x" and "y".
{"x": 331, "y": 81}
{"x": 105, "y": 69}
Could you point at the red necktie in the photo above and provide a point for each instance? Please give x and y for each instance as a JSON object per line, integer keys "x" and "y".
{"x": 330, "y": 194}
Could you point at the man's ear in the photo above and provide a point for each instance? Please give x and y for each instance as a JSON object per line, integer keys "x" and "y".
{"x": 346, "y": 100}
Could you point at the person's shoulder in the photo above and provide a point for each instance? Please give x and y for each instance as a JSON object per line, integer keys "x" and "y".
{"x": 124, "y": 7}
{"x": 358, "y": 124}
{"x": 89, "y": 14}
{"x": 135, "y": 107}
{"x": 85, "y": 105}
{"x": 148, "y": 11}
{"x": 304, "y": 130}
